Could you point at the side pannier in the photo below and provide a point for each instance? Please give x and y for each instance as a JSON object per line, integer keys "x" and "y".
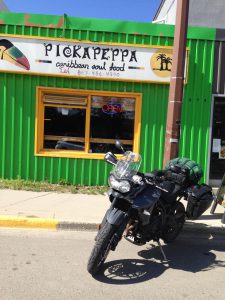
{"x": 199, "y": 201}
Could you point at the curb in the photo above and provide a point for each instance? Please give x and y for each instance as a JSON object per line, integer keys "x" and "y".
{"x": 189, "y": 227}
{"x": 16, "y": 222}
{"x": 44, "y": 223}
{"x": 77, "y": 226}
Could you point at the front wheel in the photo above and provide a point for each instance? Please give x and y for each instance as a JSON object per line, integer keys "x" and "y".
{"x": 101, "y": 248}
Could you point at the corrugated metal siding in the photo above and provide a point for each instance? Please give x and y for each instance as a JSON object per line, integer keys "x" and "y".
{"x": 197, "y": 103}
{"x": 17, "y": 112}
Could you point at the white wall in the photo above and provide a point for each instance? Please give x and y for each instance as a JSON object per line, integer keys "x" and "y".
{"x": 171, "y": 14}
{"x": 167, "y": 13}
{"x": 205, "y": 13}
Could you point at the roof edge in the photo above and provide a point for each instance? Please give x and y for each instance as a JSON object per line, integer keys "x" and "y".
{"x": 101, "y": 25}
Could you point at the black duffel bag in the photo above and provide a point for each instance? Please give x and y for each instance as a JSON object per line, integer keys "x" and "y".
{"x": 199, "y": 201}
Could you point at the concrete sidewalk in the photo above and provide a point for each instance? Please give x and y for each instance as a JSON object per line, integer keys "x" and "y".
{"x": 73, "y": 211}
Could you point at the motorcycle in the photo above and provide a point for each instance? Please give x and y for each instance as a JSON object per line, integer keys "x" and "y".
{"x": 145, "y": 207}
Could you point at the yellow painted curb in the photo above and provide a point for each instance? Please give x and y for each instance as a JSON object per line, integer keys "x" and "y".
{"x": 12, "y": 221}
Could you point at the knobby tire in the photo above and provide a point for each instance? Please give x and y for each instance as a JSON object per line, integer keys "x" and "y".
{"x": 101, "y": 248}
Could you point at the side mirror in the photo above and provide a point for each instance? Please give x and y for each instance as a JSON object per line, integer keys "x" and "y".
{"x": 110, "y": 158}
{"x": 119, "y": 145}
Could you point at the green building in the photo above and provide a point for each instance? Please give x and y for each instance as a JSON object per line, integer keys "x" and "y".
{"x": 70, "y": 86}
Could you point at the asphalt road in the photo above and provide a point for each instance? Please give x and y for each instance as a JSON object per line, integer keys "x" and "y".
{"x": 39, "y": 264}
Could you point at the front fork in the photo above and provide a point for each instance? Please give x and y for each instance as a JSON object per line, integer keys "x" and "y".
{"x": 119, "y": 229}
{"x": 118, "y": 219}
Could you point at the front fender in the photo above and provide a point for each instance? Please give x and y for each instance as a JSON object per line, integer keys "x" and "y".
{"x": 116, "y": 216}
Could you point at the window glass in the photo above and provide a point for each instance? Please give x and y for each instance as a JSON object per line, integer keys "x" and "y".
{"x": 111, "y": 118}
{"x": 85, "y": 124}
{"x": 217, "y": 167}
{"x": 64, "y": 128}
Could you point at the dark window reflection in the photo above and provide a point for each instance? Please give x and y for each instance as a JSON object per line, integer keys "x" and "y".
{"x": 217, "y": 167}
{"x": 64, "y": 128}
{"x": 111, "y": 118}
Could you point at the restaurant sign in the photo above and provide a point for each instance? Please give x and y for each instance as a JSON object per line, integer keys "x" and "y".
{"x": 83, "y": 59}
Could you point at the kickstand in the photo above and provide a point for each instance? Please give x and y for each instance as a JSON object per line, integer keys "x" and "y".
{"x": 163, "y": 253}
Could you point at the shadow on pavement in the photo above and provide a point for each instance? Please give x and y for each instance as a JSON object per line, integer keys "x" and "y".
{"x": 129, "y": 271}
{"x": 215, "y": 216}
{"x": 190, "y": 253}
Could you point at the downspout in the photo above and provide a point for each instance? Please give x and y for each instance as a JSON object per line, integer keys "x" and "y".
{"x": 172, "y": 137}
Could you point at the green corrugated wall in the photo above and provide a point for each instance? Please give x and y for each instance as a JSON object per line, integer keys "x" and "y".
{"x": 196, "y": 109}
{"x": 18, "y": 99}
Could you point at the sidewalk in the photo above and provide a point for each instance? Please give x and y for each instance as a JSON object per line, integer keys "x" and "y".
{"x": 73, "y": 211}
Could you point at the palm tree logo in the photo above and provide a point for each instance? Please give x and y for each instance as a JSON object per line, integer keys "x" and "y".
{"x": 161, "y": 62}
{"x": 165, "y": 61}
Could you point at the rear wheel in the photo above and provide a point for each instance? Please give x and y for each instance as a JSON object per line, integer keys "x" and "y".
{"x": 101, "y": 248}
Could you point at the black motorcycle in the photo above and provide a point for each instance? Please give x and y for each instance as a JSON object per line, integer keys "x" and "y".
{"x": 145, "y": 207}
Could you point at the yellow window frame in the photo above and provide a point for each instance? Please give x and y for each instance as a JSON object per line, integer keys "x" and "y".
{"x": 39, "y": 121}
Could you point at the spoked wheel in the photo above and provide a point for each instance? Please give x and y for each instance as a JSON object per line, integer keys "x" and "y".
{"x": 174, "y": 224}
{"x": 101, "y": 248}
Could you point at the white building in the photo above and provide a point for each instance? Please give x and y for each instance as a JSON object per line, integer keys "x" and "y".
{"x": 207, "y": 13}
{"x": 204, "y": 13}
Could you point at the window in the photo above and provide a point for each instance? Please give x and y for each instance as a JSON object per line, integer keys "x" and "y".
{"x": 85, "y": 124}
{"x": 218, "y": 140}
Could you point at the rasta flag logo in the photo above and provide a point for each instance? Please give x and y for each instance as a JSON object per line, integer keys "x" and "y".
{"x": 12, "y": 54}
{"x": 161, "y": 62}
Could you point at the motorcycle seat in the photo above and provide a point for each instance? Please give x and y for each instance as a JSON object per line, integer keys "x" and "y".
{"x": 174, "y": 190}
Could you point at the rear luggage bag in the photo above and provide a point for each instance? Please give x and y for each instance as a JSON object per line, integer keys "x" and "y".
{"x": 194, "y": 173}
{"x": 199, "y": 201}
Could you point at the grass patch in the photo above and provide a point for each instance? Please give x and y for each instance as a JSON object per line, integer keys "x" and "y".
{"x": 44, "y": 186}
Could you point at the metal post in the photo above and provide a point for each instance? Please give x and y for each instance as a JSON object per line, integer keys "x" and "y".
{"x": 176, "y": 82}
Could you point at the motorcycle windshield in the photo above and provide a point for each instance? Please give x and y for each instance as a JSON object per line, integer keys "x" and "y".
{"x": 128, "y": 165}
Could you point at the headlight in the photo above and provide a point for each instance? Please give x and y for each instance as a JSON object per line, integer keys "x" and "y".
{"x": 122, "y": 186}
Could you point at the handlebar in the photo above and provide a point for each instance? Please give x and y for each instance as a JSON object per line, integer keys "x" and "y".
{"x": 148, "y": 181}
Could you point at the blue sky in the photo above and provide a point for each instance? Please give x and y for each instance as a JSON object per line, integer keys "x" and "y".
{"x": 131, "y": 10}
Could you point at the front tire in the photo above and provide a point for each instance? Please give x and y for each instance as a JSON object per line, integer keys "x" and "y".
{"x": 101, "y": 248}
